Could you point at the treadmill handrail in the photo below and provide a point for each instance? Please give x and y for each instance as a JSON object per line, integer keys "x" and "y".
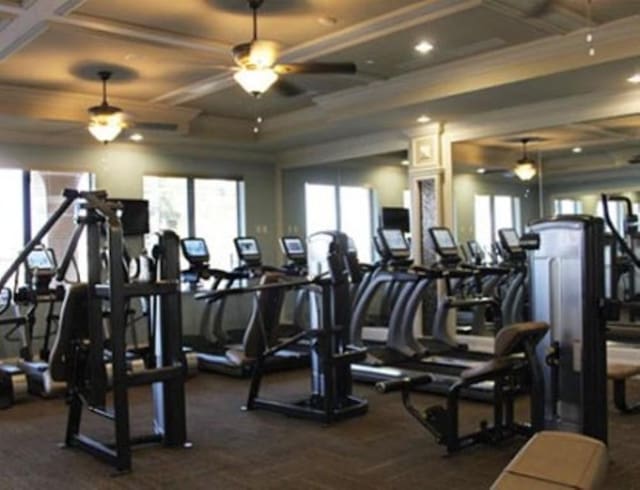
{"x": 219, "y": 294}
{"x": 619, "y": 238}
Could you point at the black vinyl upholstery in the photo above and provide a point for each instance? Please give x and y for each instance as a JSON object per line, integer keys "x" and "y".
{"x": 72, "y": 326}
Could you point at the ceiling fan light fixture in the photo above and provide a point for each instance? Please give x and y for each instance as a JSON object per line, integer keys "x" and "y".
{"x": 525, "y": 171}
{"x": 256, "y": 81}
{"x": 106, "y": 121}
{"x": 525, "y": 168}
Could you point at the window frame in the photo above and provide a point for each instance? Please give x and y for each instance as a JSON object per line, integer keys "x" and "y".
{"x": 27, "y": 199}
{"x": 372, "y": 205}
{"x": 516, "y": 214}
{"x": 190, "y": 182}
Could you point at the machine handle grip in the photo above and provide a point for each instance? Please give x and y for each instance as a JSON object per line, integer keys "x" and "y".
{"x": 402, "y": 383}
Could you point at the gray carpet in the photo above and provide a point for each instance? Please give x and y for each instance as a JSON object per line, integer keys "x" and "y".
{"x": 385, "y": 449}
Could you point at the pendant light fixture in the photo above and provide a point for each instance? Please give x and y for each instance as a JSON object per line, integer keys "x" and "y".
{"x": 106, "y": 120}
{"x": 525, "y": 168}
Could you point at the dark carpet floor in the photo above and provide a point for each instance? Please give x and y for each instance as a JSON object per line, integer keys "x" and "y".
{"x": 385, "y": 449}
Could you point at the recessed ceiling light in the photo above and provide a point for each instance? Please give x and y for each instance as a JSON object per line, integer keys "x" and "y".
{"x": 481, "y": 170}
{"x": 327, "y": 20}
{"x": 577, "y": 149}
{"x": 423, "y": 119}
{"x": 136, "y": 137}
{"x": 405, "y": 163}
{"x": 370, "y": 62}
{"x": 423, "y": 47}
{"x": 635, "y": 78}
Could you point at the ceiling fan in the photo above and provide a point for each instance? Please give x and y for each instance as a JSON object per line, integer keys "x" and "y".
{"x": 258, "y": 68}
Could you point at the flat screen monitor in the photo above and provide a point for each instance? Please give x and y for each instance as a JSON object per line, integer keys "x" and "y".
{"x": 395, "y": 240}
{"x": 444, "y": 242}
{"x": 293, "y": 247}
{"x": 248, "y": 249}
{"x": 195, "y": 250}
{"x": 134, "y": 216}
{"x": 396, "y": 219}
{"x": 41, "y": 260}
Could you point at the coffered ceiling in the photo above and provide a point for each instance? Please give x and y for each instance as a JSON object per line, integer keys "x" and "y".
{"x": 171, "y": 62}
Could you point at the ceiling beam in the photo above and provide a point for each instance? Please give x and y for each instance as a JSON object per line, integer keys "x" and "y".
{"x": 140, "y": 33}
{"x": 30, "y": 22}
{"x": 383, "y": 25}
{"x": 605, "y": 132}
{"x": 129, "y": 31}
{"x": 542, "y": 58}
{"x": 551, "y": 19}
{"x": 72, "y": 107}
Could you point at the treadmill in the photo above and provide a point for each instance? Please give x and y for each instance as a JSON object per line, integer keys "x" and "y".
{"x": 214, "y": 353}
{"x": 439, "y": 355}
{"x": 393, "y": 358}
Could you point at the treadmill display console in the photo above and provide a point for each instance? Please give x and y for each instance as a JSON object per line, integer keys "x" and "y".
{"x": 510, "y": 240}
{"x": 248, "y": 249}
{"x": 395, "y": 240}
{"x": 444, "y": 242}
{"x": 195, "y": 250}
{"x": 293, "y": 247}
{"x": 41, "y": 260}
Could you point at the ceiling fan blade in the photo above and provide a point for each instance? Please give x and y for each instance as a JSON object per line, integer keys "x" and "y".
{"x": 287, "y": 68}
{"x": 287, "y": 89}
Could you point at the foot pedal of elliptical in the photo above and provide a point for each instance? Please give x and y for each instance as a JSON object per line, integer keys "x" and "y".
{"x": 436, "y": 421}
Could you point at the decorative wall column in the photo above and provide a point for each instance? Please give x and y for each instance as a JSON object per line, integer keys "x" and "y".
{"x": 426, "y": 183}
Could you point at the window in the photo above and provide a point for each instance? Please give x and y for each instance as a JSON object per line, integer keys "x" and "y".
{"x": 617, "y": 213}
{"x": 492, "y": 213}
{"x": 11, "y": 200}
{"x": 406, "y": 199}
{"x": 216, "y": 210}
{"x": 355, "y": 218}
{"x": 46, "y": 196}
{"x": 320, "y": 208}
{"x": 567, "y": 206}
{"x": 37, "y": 195}
{"x": 347, "y": 208}
{"x": 168, "y": 205}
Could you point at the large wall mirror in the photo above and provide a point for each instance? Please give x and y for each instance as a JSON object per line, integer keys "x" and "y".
{"x": 569, "y": 167}
{"x": 573, "y": 165}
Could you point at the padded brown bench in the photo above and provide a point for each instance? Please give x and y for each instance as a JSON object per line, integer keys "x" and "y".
{"x": 556, "y": 461}
{"x": 619, "y": 374}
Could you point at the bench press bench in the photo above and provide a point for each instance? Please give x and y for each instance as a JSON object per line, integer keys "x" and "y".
{"x": 556, "y": 461}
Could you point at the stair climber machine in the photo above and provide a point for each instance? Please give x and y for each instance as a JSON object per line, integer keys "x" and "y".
{"x": 234, "y": 353}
